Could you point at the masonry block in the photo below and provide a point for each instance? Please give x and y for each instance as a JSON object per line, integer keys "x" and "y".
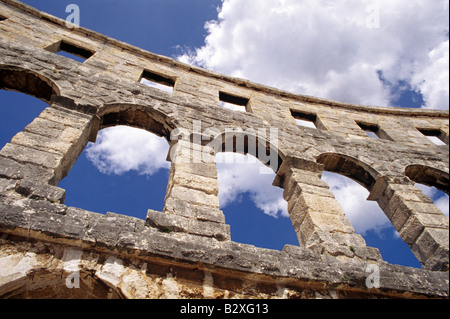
{"x": 325, "y": 222}
{"x": 320, "y": 204}
{"x": 173, "y": 223}
{"x": 416, "y": 223}
{"x": 43, "y": 143}
{"x": 24, "y": 154}
{"x": 193, "y": 181}
{"x": 44, "y": 127}
{"x": 35, "y": 190}
{"x": 193, "y": 196}
{"x": 9, "y": 168}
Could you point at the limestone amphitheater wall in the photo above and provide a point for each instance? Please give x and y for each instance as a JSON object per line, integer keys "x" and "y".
{"x": 49, "y": 250}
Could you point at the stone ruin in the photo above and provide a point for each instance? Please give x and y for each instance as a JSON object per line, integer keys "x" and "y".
{"x": 49, "y": 250}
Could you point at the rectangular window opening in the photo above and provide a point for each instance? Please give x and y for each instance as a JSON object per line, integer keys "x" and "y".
{"x": 70, "y": 51}
{"x": 233, "y": 102}
{"x": 157, "y": 81}
{"x": 434, "y": 135}
{"x": 372, "y": 130}
{"x": 305, "y": 119}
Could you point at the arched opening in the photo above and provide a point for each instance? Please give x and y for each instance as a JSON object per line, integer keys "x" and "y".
{"x": 25, "y": 81}
{"x": 350, "y": 167}
{"x": 255, "y": 209}
{"x": 261, "y": 144}
{"x": 125, "y": 171}
{"x": 351, "y": 181}
{"x": 429, "y": 176}
{"x": 369, "y": 220}
{"x": 136, "y": 116}
{"x": 17, "y": 110}
{"x": 433, "y": 183}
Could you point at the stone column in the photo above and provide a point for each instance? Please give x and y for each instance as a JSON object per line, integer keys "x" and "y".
{"x": 418, "y": 221}
{"x": 317, "y": 217}
{"x": 41, "y": 155}
{"x": 192, "y": 203}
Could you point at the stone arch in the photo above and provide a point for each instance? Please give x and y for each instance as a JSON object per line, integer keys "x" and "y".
{"x": 29, "y": 82}
{"x": 350, "y": 167}
{"x": 193, "y": 187}
{"x": 256, "y": 143}
{"x": 260, "y": 149}
{"x": 50, "y": 148}
{"x": 137, "y": 116}
{"x": 429, "y": 176}
{"x": 147, "y": 119}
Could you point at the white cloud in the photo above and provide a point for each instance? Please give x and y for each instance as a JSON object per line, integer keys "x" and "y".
{"x": 122, "y": 149}
{"x": 239, "y": 174}
{"x": 333, "y": 49}
{"x": 363, "y": 214}
{"x": 306, "y": 123}
{"x": 432, "y": 78}
{"x": 440, "y": 199}
{"x": 233, "y": 107}
{"x": 162, "y": 87}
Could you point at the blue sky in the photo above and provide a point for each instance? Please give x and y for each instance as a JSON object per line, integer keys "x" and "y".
{"x": 368, "y": 52}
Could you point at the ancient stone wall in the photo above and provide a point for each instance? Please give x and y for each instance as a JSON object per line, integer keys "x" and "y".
{"x": 185, "y": 251}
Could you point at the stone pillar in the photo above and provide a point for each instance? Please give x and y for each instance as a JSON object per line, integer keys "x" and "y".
{"x": 445, "y": 135}
{"x": 318, "y": 218}
{"x": 192, "y": 203}
{"x": 43, "y": 154}
{"x": 418, "y": 221}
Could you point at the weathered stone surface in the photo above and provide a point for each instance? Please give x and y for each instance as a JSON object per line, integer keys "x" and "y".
{"x": 432, "y": 243}
{"x": 169, "y": 223}
{"x": 194, "y": 196}
{"x": 9, "y": 169}
{"x": 186, "y": 250}
{"x": 7, "y": 184}
{"x": 23, "y": 154}
{"x": 36, "y": 190}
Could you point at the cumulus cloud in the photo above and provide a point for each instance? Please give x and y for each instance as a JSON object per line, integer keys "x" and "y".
{"x": 357, "y": 51}
{"x": 363, "y": 214}
{"x": 239, "y": 174}
{"x": 333, "y": 49}
{"x": 432, "y": 78}
{"x": 122, "y": 149}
